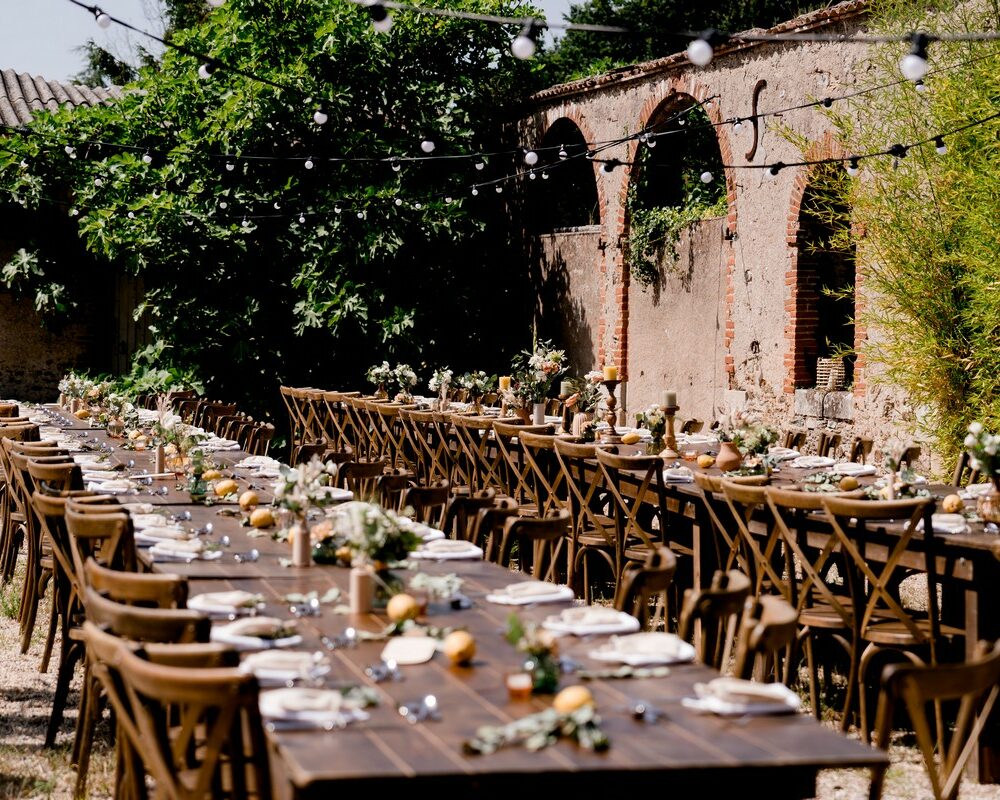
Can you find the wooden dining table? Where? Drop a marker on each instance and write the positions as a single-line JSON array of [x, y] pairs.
[[683, 751]]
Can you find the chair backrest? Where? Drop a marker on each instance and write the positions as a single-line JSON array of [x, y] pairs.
[[147, 589], [829, 441], [146, 624], [428, 445], [964, 473], [460, 518], [872, 582], [975, 684], [541, 539], [198, 731], [646, 504], [515, 469], [307, 451], [361, 477], [479, 455], [487, 526], [910, 455], [768, 627], [546, 476], [729, 548], [51, 476], [8, 410], [392, 487], [692, 425], [260, 437], [769, 564], [429, 504], [644, 583], [794, 438], [715, 611], [585, 489], [860, 450]]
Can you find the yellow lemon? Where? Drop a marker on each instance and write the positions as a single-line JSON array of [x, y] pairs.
[[211, 475], [262, 518], [952, 504], [249, 500], [848, 483], [705, 460], [402, 607], [459, 647], [228, 486], [571, 698], [83, 413], [631, 438], [344, 554]]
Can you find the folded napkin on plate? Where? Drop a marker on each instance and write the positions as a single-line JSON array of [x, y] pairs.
[[678, 475], [188, 547], [853, 469], [138, 508], [113, 487], [310, 706], [259, 461], [639, 649], [219, 444], [260, 628], [279, 661], [783, 453], [100, 475], [146, 520], [237, 598], [812, 462], [164, 533], [532, 589], [735, 690], [947, 523], [590, 615], [448, 546], [697, 438], [974, 490]]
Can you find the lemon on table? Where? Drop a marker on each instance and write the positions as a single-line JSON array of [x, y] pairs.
[[571, 698], [848, 483], [249, 500], [211, 475], [705, 461], [459, 647], [631, 438], [402, 607], [262, 518], [952, 504], [83, 413], [228, 486]]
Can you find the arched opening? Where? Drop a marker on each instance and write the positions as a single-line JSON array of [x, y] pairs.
[[678, 181], [824, 300], [564, 196]]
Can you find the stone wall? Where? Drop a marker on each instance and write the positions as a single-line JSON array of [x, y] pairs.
[[731, 332]]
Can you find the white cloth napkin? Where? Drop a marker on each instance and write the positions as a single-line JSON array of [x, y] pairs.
[[527, 592], [783, 453], [310, 707], [257, 633], [280, 666], [147, 520], [812, 462], [853, 469], [735, 697], [101, 475], [678, 475], [640, 649], [946, 523], [586, 620], [112, 487], [230, 602], [138, 508], [162, 533], [975, 490], [447, 549]]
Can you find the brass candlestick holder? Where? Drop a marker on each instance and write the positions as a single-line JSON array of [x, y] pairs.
[[611, 436], [567, 414], [669, 438]]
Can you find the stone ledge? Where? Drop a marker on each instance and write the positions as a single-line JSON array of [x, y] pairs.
[[822, 404]]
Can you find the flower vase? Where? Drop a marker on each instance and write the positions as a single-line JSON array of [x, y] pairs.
[[477, 405], [381, 393], [197, 488], [988, 505], [729, 457], [362, 589], [538, 414], [301, 545], [656, 446], [578, 421], [443, 398], [544, 671]]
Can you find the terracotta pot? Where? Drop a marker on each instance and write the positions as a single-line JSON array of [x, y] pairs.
[[538, 413], [729, 457], [579, 420]]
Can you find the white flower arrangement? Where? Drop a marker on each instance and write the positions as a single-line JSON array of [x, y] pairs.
[[405, 378], [304, 487], [374, 533], [654, 420], [477, 383], [983, 448], [379, 374], [749, 434], [74, 386], [536, 370], [440, 380]]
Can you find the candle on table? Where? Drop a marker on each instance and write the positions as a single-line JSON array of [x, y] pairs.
[[669, 399], [504, 383], [565, 389], [611, 373]]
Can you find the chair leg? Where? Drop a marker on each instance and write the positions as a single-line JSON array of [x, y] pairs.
[[50, 638], [29, 608], [85, 723], [807, 646], [69, 655], [853, 670]]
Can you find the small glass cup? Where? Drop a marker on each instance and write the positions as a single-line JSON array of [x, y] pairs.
[[690, 455], [519, 685]]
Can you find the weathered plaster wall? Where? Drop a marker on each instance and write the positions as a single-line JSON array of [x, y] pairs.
[[751, 361]]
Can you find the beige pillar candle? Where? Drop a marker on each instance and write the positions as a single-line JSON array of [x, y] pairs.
[[669, 399], [611, 373], [504, 383]]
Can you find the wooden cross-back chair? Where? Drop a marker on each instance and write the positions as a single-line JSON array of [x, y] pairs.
[[452, 457], [514, 468], [975, 684], [794, 438], [396, 447], [479, 454], [768, 562], [829, 443], [646, 584], [728, 544], [964, 473], [541, 544], [765, 640], [8, 410], [823, 609], [12, 518], [217, 746], [295, 432], [429, 504], [708, 617], [103, 665], [361, 478], [429, 447], [259, 439], [461, 515], [873, 565], [392, 487], [356, 425], [639, 511], [307, 451], [593, 532], [378, 434], [860, 450], [336, 421], [539, 454]]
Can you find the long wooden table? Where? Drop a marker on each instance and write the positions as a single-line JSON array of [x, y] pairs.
[[684, 752]]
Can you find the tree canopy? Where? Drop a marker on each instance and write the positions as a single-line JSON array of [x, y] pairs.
[[259, 270]]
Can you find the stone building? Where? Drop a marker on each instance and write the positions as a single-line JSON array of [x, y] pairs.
[[35, 352], [741, 319]]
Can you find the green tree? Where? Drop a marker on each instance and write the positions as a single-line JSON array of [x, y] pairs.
[[237, 282], [658, 25]]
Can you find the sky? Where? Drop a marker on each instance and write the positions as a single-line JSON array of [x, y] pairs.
[[40, 36]]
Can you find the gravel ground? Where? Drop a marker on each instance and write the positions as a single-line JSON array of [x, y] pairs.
[[27, 770]]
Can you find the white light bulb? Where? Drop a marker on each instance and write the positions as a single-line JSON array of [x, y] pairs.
[[523, 47], [302, 219], [475, 191], [531, 158], [427, 146], [131, 215], [204, 72], [309, 164], [156, 195], [319, 117], [216, 3], [98, 182], [223, 204], [230, 166], [396, 166], [69, 151], [650, 140], [545, 176], [920, 86], [448, 200], [361, 215], [913, 67], [336, 209], [700, 53], [73, 212], [383, 25], [245, 223], [147, 158], [103, 20], [563, 155], [417, 206], [531, 176], [499, 190], [277, 205], [737, 126], [399, 202], [852, 169], [480, 165], [706, 177], [940, 147]]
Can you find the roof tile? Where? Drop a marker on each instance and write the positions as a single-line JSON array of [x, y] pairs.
[[22, 96]]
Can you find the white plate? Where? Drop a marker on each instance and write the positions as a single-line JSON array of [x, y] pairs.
[[309, 708], [947, 523], [761, 698], [278, 667], [138, 508], [530, 592], [425, 532], [216, 603], [812, 462], [642, 649], [338, 495], [574, 621], [153, 536], [185, 558], [678, 475], [409, 650], [853, 469], [253, 642], [440, 553], [141, 521]]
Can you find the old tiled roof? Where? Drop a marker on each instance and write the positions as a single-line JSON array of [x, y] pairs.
[[21, 96], [815, 20]]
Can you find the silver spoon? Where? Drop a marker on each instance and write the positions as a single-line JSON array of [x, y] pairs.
[[248, 557]]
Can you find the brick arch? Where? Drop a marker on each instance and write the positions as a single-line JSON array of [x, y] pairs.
[[800, 322], [574, 116]]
